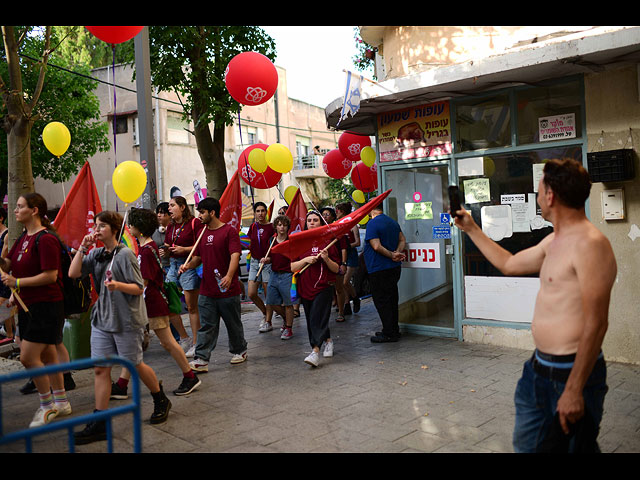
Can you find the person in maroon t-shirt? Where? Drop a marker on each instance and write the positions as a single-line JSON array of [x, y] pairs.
[[316, 290], [143, 224], [180, 237], [329, 215], [219, 253], [36, 282], [279, 288], [260, 234]]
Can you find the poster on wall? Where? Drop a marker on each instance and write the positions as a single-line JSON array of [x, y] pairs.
[[421, 255], [557, 127], [415, 132]]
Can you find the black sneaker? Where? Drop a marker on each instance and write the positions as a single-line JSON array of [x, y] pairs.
[[161, 407], [187, 386], [356, 305], [117, 392], [29, 387], [69, 383], [347, 308], [93, 432]]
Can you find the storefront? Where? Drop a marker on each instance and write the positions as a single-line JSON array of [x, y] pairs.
[[493, 146]]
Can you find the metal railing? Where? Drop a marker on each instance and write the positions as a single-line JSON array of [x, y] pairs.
[[29, 433], [307, 161]]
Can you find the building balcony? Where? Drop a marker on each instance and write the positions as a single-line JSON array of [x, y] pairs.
[[308, 166]]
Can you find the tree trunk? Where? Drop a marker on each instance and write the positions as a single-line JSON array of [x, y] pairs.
[[211, 151]]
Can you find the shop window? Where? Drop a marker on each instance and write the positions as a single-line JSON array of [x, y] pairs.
[[549, 113], [483, 123], [500, 192]]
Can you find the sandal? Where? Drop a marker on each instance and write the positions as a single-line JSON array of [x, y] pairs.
[[340, 318]]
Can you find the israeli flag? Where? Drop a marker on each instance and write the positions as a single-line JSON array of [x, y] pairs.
[[351, 102]]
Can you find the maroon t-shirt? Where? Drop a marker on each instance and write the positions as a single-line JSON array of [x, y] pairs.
[[279, 262], [260, 235], [183, 234], [151, 270], [29, 261], [215, 249], [317, 276]]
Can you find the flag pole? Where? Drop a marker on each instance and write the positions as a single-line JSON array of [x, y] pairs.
[[371, 81]]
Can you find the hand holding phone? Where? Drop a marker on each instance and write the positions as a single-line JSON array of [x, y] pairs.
[[454, 200]]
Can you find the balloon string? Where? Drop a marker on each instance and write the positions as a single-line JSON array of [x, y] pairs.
[[246, 171], [115, 149], [124, 223]]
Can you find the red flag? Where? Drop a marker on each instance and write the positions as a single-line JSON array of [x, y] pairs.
[[231, 203], [297, 213], [320, 237], [76, 217]]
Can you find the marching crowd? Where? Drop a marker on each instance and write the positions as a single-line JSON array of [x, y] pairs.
[[179, 252]]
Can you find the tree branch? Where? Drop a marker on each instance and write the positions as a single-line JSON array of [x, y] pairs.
[[43, 65]]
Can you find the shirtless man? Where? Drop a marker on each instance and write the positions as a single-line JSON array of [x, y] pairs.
[[577, 270]]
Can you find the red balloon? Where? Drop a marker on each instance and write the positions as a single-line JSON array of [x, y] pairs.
[[267, 179], [251, 78], [335, 165], [351, 144], [114, 34], [365, 178]]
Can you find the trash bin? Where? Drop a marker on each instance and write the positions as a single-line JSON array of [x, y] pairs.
[[76, 335]]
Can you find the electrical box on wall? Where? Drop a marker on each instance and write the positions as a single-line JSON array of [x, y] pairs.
[[611, 166], [613, 204]]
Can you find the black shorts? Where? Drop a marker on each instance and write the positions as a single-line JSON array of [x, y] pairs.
[[43, 323]]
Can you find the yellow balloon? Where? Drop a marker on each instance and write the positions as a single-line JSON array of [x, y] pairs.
[[489, 166], [364, 220], [257, 160], [358, 196], [279, 158], [129, 181], [368, 156], [56, 138], [289, 192]]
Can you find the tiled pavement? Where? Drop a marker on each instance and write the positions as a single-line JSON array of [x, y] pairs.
[[422, 394]]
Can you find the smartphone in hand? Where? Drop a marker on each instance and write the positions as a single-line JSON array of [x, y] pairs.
[[454, 199]]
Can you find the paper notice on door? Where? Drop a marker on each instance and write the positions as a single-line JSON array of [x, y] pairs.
[[497, 221], [471, 167], [520, 217], [477, 190], [536, 221], [537, 174]]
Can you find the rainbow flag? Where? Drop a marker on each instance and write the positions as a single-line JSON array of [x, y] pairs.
[[245, 241], [129, 240], [294, 287]]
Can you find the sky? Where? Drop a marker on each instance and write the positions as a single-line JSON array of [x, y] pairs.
[[314, 58]]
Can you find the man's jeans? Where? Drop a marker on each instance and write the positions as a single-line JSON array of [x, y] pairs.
[[211, 309], [536, 399]]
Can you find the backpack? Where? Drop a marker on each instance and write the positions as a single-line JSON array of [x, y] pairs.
[[76, 291]]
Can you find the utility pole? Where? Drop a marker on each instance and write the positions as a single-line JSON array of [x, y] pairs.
[[145, 118]]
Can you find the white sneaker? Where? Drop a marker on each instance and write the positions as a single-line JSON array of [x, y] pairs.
[[186, 343], [63, 409], [42, 417], [239, 358], [328, 349], [265, 327], [199, 365], [191, 352], [313, 359]]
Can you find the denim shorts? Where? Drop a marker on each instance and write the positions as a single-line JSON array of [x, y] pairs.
[[264, 274], [189, 280], [126, 344], [352, 257], [279, 289]]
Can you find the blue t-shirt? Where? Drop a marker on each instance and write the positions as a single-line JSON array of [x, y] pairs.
[[388, 231]]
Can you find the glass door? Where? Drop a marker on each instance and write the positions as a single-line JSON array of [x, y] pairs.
[[418, 200]]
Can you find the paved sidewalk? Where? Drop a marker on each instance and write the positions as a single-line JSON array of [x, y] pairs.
[[421, 394]]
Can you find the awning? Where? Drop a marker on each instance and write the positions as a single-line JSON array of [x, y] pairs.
[[595, 50]]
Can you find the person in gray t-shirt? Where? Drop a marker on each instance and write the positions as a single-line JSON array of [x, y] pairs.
[[118, 317]]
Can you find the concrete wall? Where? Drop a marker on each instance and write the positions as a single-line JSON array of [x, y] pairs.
[[613, 122]]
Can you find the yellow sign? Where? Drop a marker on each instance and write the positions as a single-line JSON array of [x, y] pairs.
[[418, 211]]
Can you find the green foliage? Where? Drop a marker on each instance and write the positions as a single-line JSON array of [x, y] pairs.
[[363, 60], [191, 60], [67, 98], [78, 46]]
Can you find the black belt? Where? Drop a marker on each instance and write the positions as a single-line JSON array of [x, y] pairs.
[[554, 367]]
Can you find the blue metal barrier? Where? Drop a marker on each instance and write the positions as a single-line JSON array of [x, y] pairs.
[[69, 423]]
